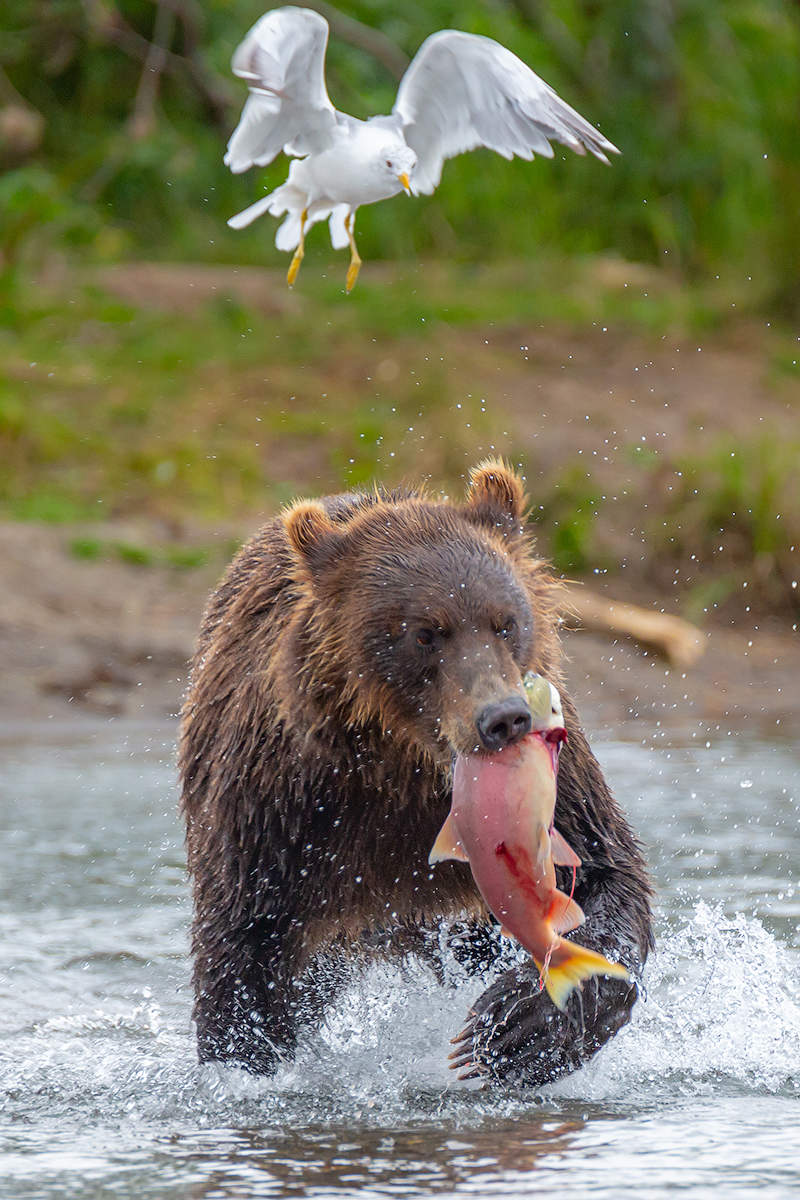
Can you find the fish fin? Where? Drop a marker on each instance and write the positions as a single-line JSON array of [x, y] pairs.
[[543, 851], [563, 854], [565, 914], [578, 964], [447, 844]]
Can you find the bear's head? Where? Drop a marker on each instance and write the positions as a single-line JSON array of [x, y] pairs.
[[424, 615]]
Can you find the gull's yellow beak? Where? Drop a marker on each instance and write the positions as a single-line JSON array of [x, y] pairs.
[[403, 177]]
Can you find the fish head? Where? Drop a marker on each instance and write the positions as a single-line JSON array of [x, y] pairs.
[[547, 714]]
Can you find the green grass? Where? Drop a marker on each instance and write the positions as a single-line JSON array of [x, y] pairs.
[[735, 516], [108, 408], [180, 557], [223, 410]]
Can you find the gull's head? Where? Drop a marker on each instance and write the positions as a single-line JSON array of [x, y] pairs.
[[397, 161]]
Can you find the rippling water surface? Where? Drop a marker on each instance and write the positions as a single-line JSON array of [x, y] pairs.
[[100, 1095]]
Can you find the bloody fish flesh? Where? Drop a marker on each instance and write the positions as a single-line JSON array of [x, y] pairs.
[[501, 823]]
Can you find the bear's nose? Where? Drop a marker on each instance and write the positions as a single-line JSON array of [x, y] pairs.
[[502, 723]]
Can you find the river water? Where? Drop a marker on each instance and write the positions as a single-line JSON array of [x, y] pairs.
[[100, 1094]]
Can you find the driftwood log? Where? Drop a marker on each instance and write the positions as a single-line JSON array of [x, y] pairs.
[[680, 642]]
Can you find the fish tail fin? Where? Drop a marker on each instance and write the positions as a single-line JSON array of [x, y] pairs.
[[570, 965]]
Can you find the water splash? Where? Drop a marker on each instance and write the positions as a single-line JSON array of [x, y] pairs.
[[722, 1009], [721, 1013]]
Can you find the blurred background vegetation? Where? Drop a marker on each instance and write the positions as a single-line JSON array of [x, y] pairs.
[[196, 393], [115, 112]]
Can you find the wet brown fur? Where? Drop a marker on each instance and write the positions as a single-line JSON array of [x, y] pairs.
[[316, 745]]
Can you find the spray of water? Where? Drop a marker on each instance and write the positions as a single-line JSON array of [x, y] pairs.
[[721, 1012]]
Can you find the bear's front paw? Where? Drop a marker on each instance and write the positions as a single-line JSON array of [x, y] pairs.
[[515, 1034]]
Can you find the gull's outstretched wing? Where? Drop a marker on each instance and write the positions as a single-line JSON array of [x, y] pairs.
[[282, 59], [463, 91]]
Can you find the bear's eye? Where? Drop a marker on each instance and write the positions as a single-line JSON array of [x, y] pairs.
[[426, 637], [507, 629]]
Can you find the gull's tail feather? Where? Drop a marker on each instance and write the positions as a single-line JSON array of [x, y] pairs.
[[288, 235], [248, 215], [339, 238], [285, 198], [290, 200]]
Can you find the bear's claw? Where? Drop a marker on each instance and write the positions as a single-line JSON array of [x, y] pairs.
[[515, 1034], [462, 1058]]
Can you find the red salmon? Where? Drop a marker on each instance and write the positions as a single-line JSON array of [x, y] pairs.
[[501, 823]]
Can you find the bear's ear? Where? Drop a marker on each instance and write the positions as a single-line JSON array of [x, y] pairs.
[[312, 534], [496, 497]]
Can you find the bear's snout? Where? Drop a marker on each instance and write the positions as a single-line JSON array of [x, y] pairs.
[[503, 723]]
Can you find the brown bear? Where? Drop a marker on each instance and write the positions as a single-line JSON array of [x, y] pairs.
[[355, 645]]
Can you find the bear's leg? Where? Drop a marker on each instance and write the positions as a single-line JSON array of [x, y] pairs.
[[514, 1032], [322, 983], [246, 1007], [475, 945]]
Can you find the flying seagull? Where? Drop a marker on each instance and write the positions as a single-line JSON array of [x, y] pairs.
[[461, 91]]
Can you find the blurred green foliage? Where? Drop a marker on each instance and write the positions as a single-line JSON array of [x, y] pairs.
[[183, 558], [231, 407], [701, 96], [114, 115], [737, 505]]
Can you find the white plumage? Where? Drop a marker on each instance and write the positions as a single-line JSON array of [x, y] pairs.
[[461, 91]]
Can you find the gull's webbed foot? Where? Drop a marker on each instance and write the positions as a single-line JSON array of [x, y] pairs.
[[355, 257], [297, 258], [294, 266], [352, 272]]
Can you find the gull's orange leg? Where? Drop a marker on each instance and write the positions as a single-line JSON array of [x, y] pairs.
[[355, 258], [294, 265]]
